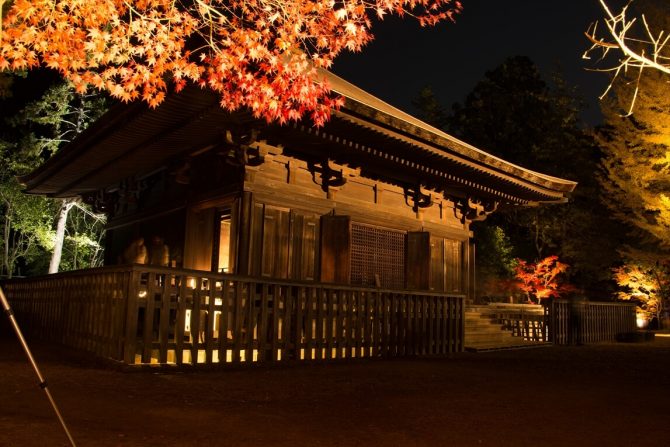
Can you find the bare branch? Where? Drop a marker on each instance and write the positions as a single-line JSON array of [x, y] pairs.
[[640, 47]]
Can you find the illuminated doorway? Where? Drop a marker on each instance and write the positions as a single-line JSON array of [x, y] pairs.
[[222, 241]]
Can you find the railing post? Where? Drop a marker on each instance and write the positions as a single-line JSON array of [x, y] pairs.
[[130, 341]]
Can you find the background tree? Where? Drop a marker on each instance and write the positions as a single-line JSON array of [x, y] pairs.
[[639, 42], [259, 54], [645, 280], [635, 141], [32, 133], [635, 180], [515, 114], [53, 121], [496, 263], [428, 108], [635, 175], [25, 224]]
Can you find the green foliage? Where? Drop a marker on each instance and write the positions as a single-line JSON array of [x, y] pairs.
[[24, 225], [31, 133], [5, 85], [45, 125], [495, 262], [83, 244], [495, 253]]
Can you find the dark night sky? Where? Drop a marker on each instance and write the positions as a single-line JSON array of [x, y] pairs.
[[453, 57]]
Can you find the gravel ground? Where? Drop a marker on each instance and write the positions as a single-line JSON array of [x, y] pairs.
[[604, 395]]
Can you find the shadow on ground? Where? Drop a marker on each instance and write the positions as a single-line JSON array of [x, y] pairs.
[[605, 395]]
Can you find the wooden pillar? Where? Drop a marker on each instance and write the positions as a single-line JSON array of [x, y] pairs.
[[470, 285], [243, 263]]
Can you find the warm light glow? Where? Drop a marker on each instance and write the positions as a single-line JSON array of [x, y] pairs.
[[641, 319], [191, 283], [142, 294], [217, 315], [187, 321], [224, 245]]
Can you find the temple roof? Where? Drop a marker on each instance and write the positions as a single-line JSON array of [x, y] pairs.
[[366, 132]]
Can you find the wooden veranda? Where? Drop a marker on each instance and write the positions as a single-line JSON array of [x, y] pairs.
[[139, 314]]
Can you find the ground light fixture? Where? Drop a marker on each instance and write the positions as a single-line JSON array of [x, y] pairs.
[[42, 380]]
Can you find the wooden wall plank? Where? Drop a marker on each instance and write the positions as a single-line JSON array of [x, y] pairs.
[[199, 239], [335, 249], [418, 266]]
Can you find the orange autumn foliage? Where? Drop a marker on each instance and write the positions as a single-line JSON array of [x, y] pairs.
[[259, 54], [542, 279]]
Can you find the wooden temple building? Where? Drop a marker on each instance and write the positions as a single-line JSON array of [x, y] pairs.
[[232, 240]]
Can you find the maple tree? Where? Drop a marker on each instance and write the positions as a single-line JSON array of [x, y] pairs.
[[541, 280], [646, 282], [260, 54]]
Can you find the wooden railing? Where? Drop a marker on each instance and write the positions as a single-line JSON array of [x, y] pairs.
[[140, 314], [563, 322], [589, 322], [523, 320], [85, 309]]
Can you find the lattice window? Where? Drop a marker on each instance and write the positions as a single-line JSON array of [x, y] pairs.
[[377, 256]]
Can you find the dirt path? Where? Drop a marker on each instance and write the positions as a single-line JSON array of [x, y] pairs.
[[608, 395]]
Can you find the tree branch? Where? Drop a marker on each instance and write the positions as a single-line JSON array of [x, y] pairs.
[[637, 52]]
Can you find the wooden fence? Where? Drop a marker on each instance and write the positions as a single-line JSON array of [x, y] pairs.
[[589, 322], [140, 314]]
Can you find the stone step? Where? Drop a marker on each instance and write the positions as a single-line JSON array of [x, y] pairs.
[[483, 333], [517, 344], [477, 336], [481, 324]]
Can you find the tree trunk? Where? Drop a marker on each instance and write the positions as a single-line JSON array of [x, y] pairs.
[[5, 258], [7, 267], [66, 206]]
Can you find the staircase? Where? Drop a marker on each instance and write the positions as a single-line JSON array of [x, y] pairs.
[[482, 333]]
